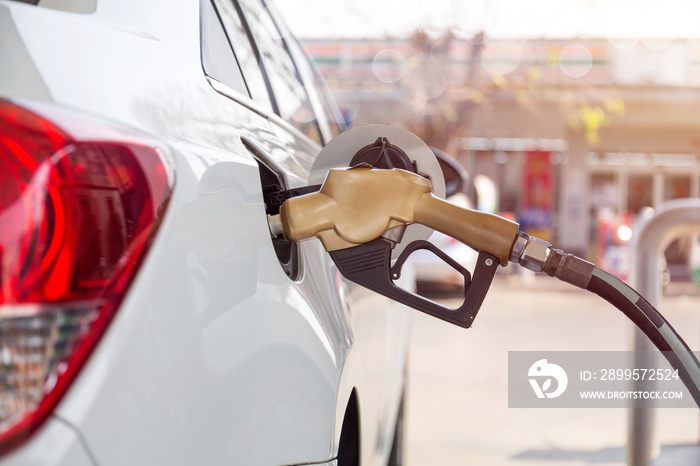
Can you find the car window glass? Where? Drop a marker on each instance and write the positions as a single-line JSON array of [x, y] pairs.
[[336, 124], [328, 115], [244, 51], [307, 76], [218, 59], [292, 101]]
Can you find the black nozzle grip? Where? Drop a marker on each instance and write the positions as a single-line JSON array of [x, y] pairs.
[[369, 265]]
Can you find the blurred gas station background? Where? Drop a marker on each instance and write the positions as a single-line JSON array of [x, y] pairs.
[[579, 129], [577, 119]]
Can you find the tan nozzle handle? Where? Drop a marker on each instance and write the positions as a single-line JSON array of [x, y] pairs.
[[357, 205]]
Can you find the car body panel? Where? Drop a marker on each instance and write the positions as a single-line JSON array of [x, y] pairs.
[[215, 356], [215, 341], [55, 444]]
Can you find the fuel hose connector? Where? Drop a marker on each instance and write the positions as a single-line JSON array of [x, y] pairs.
[[539, 256]]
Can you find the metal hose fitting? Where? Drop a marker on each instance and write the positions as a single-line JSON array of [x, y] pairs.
[[539, 256]]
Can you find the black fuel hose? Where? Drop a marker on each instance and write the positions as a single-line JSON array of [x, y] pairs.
[[652, 323]]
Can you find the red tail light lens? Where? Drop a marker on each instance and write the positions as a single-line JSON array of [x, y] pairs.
[[79, 204]]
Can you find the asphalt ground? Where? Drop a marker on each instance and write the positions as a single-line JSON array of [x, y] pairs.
[[457, 400]]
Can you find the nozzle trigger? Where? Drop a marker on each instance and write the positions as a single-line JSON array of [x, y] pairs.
[[369, 265]]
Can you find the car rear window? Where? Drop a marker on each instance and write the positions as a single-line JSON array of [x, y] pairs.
[[289, 92], [218, 59], [245, 52]]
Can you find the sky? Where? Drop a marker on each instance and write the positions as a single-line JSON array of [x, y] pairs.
[[552, 19]]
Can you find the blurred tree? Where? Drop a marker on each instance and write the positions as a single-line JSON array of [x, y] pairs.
[[446, 84]]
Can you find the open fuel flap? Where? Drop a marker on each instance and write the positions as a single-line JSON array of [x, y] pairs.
[[365, 215]]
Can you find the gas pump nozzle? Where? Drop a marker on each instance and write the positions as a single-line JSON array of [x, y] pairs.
[[356, 206]]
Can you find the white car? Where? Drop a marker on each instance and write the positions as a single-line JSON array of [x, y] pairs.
[[431, 271], [146, 314]]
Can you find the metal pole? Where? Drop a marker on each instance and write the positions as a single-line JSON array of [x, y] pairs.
[[672, 219]]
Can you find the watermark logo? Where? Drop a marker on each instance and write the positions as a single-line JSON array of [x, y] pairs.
[[594, 379], [546, 372]]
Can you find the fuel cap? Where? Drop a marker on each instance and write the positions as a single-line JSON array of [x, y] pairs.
[[382, 146]]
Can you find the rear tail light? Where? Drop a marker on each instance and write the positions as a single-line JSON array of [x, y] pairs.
[[79, 203]]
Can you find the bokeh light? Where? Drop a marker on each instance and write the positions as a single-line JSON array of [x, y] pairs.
[[389, 65], [575, 60]]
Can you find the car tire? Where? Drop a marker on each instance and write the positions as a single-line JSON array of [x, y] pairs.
[[396, 457]]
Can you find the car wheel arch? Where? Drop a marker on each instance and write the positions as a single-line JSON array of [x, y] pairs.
[[349, 443]]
